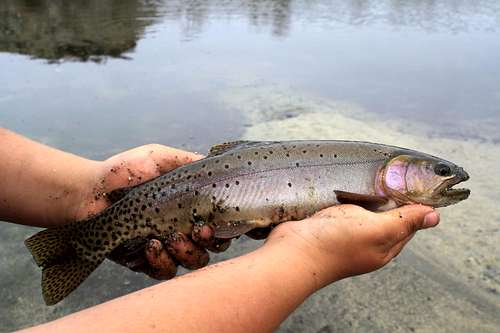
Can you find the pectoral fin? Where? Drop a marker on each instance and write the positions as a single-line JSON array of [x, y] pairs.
[[367, 201]]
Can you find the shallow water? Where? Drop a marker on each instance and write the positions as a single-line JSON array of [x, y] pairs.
[[96, 77]]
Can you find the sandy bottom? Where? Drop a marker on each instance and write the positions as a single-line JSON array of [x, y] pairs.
[[447, 279]]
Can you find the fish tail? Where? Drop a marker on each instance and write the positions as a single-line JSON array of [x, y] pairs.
[[65, 265]]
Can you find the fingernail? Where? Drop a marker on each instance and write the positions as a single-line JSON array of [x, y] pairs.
[[431, 220]]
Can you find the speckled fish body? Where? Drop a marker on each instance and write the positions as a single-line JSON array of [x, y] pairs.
[[255, 185], [242, 186]]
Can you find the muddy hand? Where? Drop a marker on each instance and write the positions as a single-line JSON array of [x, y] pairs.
[[203, 234], [131, 168], [157, 259]]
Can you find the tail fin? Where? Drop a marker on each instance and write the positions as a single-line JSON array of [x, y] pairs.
[[60, 280], [62, 269]]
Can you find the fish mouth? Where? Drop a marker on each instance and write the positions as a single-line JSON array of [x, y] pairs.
[[447, 188]]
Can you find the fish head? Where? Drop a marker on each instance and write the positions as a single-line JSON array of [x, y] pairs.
[[423, 179]]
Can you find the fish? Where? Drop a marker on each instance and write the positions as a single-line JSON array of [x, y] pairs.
[[241, 187]]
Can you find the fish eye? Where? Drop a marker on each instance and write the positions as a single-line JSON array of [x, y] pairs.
[[442, 170]]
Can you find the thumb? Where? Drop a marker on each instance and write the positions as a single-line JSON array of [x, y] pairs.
[[406, 220]]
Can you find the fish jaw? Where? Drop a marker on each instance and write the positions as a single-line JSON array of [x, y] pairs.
[[447, 194]]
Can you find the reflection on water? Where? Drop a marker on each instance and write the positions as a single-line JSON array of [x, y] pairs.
[[417, 67], [91, 30], [77, 30]]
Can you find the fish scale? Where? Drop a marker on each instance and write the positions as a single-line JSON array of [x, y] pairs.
[[239, 187]]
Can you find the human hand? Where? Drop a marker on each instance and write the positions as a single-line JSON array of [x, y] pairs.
[[348, 240], [151, 256]]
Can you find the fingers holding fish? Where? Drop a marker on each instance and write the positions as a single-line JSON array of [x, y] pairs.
[[147, 256], [406, 220], [204, 236], [186, 252], [161, 265]]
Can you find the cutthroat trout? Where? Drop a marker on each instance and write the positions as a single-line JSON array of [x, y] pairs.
[[242, 186]]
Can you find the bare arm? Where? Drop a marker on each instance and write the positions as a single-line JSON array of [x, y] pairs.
[[256, 292], [42, 186], [38, 182]]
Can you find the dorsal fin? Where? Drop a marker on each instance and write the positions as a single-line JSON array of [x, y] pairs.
[[227, 146]]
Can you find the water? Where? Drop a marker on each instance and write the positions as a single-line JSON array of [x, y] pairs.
[[95, 78]]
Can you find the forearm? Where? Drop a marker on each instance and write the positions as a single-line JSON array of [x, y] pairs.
[[252, 293], [38, 183]]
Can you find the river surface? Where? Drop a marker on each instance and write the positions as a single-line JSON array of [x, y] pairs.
[[97, 77]]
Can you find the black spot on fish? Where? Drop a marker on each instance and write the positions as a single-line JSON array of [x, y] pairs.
[[237, 208], [239, 157], [321, 155], [304, 151], [335, 155], [143, 207], [297, 164], [237, 182], [227, 185], [214, 185], [209, 173], [271, 152], [226, 166], [249, 163], [194, 210], [287, 155], [157, 210], [179, 205], [256, 153], [196, 193], [217, 161], [289, 184], [265, 157], [175, 219]]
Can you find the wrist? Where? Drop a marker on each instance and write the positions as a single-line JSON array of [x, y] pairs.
[[302, 255], [84, 191]]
